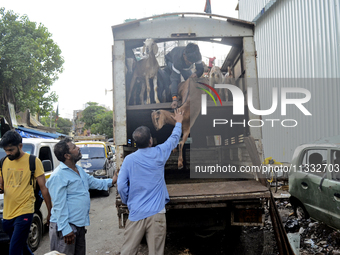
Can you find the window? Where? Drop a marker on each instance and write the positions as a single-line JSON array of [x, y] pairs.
[[334, 167], [2, 153], [45, 154], [92, 152], [28, 148], [314, 162]]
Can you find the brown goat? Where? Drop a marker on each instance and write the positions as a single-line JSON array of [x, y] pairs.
[[162, 117], [146, 69]]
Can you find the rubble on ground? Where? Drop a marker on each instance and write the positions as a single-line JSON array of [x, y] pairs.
[[315, 237]]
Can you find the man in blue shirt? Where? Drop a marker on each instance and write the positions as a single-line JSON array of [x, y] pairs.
[[69, 188], [142, 187]]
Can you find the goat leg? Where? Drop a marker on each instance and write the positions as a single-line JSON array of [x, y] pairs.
[[186, 132], [132, 84], [155, 89], [147, 90], [141, 96]]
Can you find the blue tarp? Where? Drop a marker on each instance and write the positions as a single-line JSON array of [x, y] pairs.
[[33, 133]]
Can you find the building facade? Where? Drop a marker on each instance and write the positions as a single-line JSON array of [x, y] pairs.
[[298, 45]]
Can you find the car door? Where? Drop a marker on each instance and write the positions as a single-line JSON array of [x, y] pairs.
[[311, 170], [331, 191]]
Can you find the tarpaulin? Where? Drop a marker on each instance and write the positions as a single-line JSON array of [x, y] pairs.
[[33, 133]]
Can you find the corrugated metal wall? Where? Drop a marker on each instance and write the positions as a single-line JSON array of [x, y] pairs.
[[248, 9], [298, 39]]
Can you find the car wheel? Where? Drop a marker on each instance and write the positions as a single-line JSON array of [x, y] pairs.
[[35, 234], [301, 212]]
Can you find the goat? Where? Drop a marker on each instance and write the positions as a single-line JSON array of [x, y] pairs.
[[146, 69], [228, 79], [162, 117], [216, 77]]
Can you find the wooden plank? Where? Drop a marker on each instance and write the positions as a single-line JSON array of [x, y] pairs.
[[220, 198], [215, 188]]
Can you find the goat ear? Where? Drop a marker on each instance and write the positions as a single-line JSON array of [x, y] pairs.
[[154, 48]]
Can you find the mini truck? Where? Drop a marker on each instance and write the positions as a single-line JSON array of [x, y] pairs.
[[203, 204]]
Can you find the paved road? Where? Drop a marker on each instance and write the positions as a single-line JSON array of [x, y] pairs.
[[103, 235]]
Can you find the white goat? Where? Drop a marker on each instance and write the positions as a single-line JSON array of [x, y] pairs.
[[228, 79], [146, 69], [216, 77]]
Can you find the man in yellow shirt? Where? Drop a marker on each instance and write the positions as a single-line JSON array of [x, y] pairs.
[[19, 193]]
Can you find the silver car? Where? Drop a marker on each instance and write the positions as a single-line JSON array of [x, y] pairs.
[[314, 182]]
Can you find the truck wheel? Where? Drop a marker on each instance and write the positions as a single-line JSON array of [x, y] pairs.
[[35, 234], [205, 234], [106, 193]]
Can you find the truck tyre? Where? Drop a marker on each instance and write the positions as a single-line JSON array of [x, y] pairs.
[[35, 234], [106, 193]]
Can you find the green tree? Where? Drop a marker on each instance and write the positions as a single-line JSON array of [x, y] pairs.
[[91, 113], [62, 125], [104, 125], [30, 62], [45, 120]]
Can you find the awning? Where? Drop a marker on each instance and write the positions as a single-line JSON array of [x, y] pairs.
[[34, 133]]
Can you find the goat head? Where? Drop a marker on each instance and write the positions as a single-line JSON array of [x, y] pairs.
[[155, 116], [150, 46]]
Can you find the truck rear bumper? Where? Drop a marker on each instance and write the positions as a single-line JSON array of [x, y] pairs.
[[212, 204]]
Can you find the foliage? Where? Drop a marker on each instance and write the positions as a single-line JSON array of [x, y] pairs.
[[45, 121], [91, 113], [104, 125], [30, 62], [62, 125]]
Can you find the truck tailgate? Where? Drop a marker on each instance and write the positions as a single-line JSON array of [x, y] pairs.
[[216, 191]]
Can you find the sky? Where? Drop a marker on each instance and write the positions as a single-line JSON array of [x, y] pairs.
[[82, 30]]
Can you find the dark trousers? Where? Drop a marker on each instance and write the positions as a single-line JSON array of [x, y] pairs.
[[18, 229]]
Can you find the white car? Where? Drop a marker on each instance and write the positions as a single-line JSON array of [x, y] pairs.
[[43, 149]]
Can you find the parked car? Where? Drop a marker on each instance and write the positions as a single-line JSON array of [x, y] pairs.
[[314, 182], [97, 159], [43, 149]]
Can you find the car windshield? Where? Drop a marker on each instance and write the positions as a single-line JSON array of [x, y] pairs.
[[92, 152], [28, 148]]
